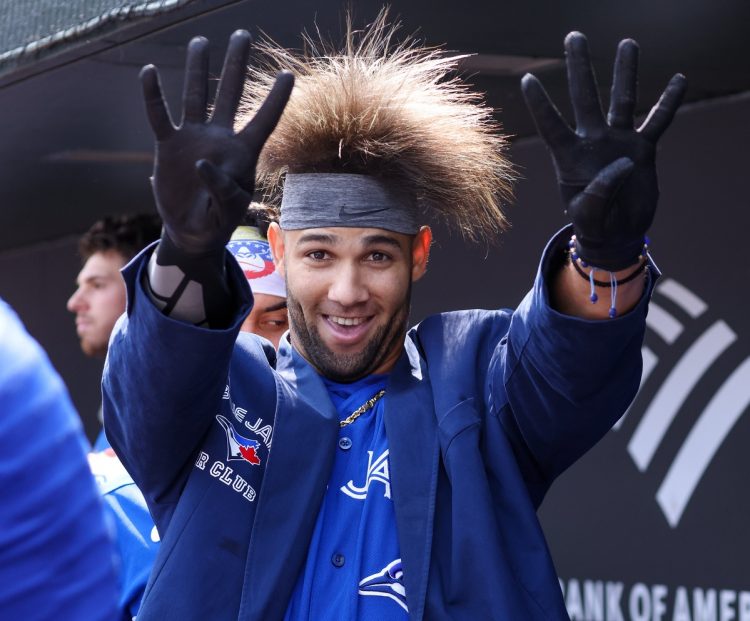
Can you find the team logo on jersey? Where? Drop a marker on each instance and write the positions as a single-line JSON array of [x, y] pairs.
[[389, 582], [253, 256], [239, 447], [377, 471]]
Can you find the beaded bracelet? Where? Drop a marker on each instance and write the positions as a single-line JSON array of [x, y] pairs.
[[604, 283], [613, 282]]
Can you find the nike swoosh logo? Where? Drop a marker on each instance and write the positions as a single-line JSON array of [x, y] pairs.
[[155, 535], [347, 213]]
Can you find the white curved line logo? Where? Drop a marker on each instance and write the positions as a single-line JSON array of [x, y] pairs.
[[715, 421]]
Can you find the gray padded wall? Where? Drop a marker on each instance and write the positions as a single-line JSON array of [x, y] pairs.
[[30, 29]]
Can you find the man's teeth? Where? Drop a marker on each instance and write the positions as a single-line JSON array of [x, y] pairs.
[[347, 321]]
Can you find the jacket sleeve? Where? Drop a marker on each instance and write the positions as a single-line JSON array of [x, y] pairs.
[[162, 385], [558, 383]]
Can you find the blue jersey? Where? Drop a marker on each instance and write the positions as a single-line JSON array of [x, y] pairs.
[[353, 567], [135, 534], [56, 559]]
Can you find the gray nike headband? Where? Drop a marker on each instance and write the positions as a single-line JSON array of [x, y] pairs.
[[316, 200]]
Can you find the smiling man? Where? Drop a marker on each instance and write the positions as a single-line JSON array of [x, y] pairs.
[[368, 472], [350, 291]]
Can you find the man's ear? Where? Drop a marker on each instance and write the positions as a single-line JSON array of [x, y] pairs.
[[420, 252], [276, 241]]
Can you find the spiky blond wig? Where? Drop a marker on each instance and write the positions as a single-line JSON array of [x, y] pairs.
[[388, 109]]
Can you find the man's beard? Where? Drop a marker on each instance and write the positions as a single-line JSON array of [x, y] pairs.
[[94, 348], [347, 367]]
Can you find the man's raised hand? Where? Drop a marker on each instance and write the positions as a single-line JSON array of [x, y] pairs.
[[606, 167], [204, 171]]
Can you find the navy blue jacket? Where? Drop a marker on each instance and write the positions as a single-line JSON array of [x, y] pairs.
[[482, 411]]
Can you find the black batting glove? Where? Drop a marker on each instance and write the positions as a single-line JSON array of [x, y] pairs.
[[204, 171], [606, 168]]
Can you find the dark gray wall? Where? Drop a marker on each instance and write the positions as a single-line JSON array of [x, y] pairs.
[[37, 281]]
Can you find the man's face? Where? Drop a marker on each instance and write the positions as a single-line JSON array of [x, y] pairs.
[[348, 293], [98, 301], [268, 318]]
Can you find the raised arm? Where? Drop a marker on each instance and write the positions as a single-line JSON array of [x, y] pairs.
[[572, 361], [169, 358], [606, 170]]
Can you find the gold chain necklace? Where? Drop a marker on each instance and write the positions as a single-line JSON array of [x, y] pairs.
[[361, 410]]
